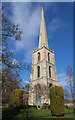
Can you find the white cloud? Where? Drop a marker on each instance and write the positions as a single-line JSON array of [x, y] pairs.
[[61, 75], [27, 82], [29, 21], [15, 62], [53, 26]]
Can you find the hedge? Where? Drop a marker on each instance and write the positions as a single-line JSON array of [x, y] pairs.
[[56, 100]]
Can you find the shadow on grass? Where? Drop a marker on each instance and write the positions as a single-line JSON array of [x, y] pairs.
[[9, 113], [28, 114]]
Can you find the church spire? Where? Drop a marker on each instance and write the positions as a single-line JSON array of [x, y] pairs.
[[43, 35]]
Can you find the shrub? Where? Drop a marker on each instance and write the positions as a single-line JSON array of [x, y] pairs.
[[56, 100], [16, 98]]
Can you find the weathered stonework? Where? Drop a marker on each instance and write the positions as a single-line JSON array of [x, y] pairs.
[[44, 80]]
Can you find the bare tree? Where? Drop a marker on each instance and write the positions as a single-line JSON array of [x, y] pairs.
[[11, 67], [27, 88], [66, 93], [69, 74]]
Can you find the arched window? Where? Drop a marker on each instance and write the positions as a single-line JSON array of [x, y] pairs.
[[38, 56], [38, 71], [38, 93], [50, 71], [48, 56], [50, 84]]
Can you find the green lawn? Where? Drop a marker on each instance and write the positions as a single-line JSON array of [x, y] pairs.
[[20, 114], [69, 111]]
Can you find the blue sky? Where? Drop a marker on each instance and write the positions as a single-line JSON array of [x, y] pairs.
[[59, 26]]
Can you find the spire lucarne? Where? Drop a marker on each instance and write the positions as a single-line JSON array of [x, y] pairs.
[[43, 35]]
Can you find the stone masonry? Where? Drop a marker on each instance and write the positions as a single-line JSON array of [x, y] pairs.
[[43, 72]]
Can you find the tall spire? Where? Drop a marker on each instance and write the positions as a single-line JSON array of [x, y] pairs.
[[43, 35]]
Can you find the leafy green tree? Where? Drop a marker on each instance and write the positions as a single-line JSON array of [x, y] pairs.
[[16, 98]]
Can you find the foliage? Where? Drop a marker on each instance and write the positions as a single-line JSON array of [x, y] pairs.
[[16, 98], [56, 100], [6, 98], [9, 113]]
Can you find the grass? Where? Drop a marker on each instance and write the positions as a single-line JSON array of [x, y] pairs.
[[20, 114], [69, 111], [41, 112]]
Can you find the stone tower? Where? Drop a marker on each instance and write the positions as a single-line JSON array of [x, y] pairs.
[[43, 72]]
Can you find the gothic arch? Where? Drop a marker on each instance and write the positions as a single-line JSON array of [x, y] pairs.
[[38, 56], [50, 84], [50, 71], [38, 71], [48, 56], [38, 93]]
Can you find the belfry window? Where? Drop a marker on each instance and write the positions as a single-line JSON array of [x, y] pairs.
[[48, 56], [38, 71], [50, 71], [38, 56]]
